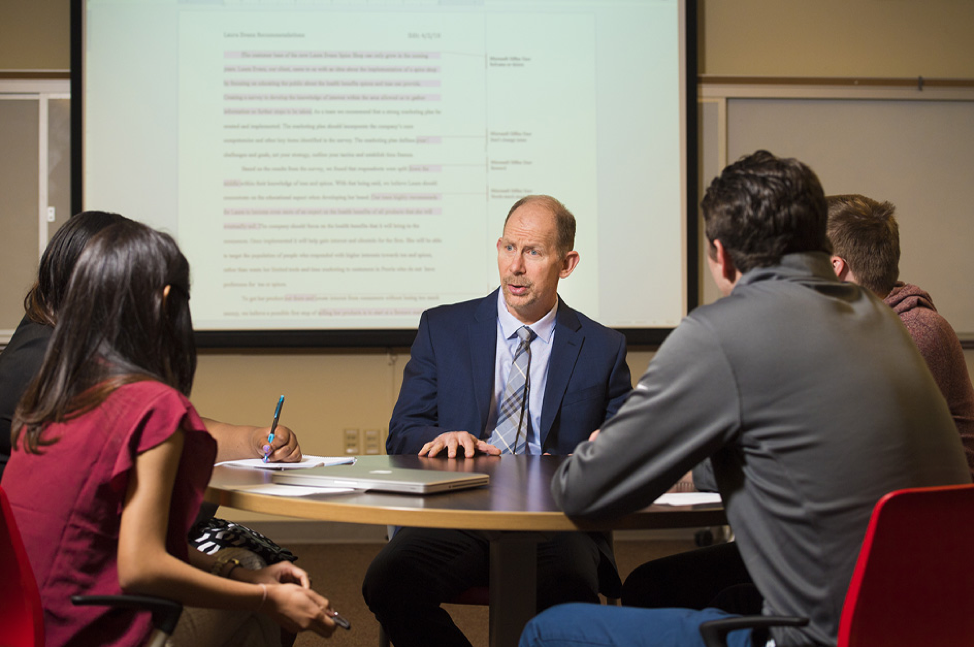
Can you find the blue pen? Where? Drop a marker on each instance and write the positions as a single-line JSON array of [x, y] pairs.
[[270, 436]]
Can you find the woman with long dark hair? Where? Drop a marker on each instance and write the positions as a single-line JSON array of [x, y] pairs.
[[21, 359], [22, 356], [110, 461]]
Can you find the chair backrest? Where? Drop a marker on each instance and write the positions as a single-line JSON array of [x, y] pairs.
[[21, 614], [914, 580]]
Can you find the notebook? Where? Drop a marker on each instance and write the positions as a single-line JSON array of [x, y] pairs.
[[387, 478]]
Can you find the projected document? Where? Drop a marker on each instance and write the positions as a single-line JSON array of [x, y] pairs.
[[348, 165], [316, 155]]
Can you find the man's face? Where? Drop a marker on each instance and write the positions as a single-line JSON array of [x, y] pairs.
[[530, 263]]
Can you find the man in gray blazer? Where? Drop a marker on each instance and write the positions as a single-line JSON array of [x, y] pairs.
[[802, 399]]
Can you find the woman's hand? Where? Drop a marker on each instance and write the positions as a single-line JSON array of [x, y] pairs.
[[283, 449], [280, 573], [298, 609]]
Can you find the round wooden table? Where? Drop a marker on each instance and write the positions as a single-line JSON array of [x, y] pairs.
[[516, 510]]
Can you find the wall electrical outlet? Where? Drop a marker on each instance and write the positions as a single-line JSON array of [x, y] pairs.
[[351, 442], [372, 444]]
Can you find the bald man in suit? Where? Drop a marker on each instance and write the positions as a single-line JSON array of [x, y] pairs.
[[450, 404]]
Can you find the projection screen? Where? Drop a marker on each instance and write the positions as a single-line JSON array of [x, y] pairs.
[[333, 168]]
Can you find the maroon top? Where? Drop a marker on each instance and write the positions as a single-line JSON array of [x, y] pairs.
[[942, 351], [68, 504]]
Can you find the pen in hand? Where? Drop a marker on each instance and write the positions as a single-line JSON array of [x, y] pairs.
[[270, 436], [340, 620]]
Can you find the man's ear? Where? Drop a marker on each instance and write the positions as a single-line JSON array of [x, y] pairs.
[[840, 267], [568, 264], [723, 258]]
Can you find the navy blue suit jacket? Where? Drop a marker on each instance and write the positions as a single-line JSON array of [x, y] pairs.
[[449, 379]]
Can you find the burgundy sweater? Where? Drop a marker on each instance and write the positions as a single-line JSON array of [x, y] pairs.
[[942, 351]]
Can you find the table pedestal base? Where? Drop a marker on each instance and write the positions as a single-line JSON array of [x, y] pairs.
[[513, 584]]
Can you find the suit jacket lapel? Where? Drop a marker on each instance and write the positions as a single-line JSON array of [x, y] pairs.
[[561, 365], [482, 341]]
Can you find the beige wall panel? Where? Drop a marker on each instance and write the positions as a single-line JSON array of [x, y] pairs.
[[18, 206], [865, 38], [35, 34], [325, 392]]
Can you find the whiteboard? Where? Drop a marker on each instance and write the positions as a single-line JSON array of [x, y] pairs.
[[919, 155]]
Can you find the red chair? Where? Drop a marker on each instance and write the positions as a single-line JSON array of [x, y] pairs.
[[21, 613], [914, 580]]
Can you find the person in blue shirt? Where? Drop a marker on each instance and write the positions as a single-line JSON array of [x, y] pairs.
[[451, 403]]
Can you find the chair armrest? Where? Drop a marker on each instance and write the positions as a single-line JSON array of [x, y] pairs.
[[165, 613], [714, 632]]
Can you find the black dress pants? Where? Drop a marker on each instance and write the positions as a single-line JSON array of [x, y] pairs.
[[421, 568], [714, 576]]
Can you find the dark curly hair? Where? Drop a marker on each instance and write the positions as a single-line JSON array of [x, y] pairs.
[[762, 207]]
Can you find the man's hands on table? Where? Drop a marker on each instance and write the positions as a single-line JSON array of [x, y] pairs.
[[454, 441]]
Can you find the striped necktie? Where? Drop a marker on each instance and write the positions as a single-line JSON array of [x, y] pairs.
[[511, 433]]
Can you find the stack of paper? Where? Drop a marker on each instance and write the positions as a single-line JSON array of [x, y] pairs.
[[306, 461]]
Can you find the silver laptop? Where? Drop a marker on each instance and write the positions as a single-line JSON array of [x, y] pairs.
[[388, 478]]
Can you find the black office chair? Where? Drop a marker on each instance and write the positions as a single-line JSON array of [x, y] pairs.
[[165, 613]]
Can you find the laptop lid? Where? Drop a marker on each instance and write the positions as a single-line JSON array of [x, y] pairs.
[[388, 478]]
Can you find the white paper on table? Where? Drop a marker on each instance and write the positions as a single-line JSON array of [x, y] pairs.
[[687, 498], [279, 489], [305, 462]]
